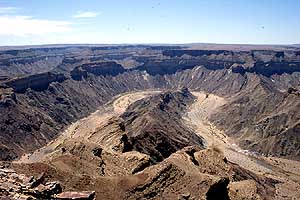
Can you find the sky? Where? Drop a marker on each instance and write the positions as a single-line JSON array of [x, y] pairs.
[[32, 22]]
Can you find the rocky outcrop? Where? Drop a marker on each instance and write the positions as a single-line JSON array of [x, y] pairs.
[[179, 178], [293, 91], [268, 68], [7, 97], [36, 82], [19, 186], [96, 68], [176, 177], [146, 131]]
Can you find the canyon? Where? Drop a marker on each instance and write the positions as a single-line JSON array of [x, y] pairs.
[[153, 121]]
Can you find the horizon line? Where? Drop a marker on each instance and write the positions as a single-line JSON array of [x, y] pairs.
[[123, 44]]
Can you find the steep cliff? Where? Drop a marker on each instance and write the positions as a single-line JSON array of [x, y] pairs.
[[96, 68], [36, 82]]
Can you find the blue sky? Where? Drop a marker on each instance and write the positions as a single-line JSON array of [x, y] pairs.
[[28, 22]]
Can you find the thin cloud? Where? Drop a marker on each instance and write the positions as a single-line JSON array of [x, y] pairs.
[[8, 10], [89, 14], [27, 25]]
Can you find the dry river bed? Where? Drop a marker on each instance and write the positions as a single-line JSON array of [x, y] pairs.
[[286, 171]]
